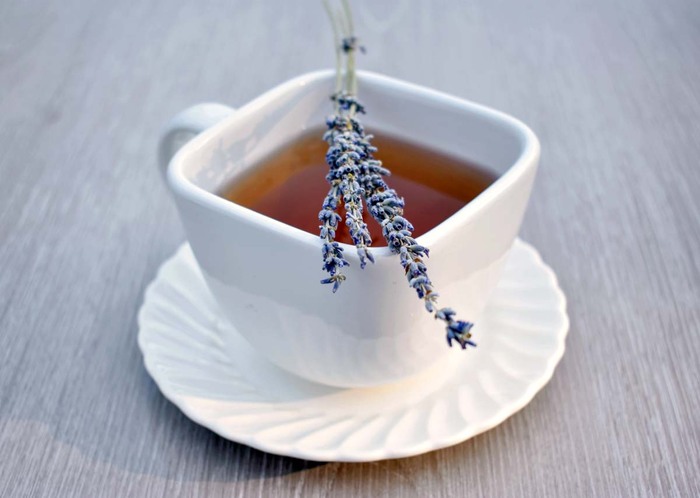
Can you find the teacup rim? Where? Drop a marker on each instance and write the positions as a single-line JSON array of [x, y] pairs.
[[528, 157]]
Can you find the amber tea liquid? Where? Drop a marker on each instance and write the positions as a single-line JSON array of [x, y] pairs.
[[290, 185]]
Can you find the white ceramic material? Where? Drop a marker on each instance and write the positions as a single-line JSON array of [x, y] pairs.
[[203, 366], [265, 274]]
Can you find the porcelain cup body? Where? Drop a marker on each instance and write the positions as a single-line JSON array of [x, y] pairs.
[[265, 274]]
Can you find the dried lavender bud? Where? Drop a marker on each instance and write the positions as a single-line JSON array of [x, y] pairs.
[[347, 102], [333, 259], [457, 330], [386, 207]]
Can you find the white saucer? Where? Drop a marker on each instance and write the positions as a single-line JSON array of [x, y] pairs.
[[246, 399]]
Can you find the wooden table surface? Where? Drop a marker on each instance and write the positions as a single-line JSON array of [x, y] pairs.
[[611, 87]]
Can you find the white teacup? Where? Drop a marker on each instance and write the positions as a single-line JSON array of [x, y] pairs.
[[265, 274]]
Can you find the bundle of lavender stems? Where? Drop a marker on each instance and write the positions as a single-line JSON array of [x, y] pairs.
[[356, 178]]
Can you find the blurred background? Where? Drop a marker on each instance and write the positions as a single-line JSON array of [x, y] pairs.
[[612, 89]]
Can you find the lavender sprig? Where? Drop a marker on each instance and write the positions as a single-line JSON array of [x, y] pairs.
[[342, 160], [355, 174], [386, 207]]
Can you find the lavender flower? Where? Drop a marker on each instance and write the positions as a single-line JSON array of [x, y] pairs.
[[351, 43], [356, 175], [457, 330], [348, 102]]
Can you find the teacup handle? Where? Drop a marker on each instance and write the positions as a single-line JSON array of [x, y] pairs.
[[185, 125]]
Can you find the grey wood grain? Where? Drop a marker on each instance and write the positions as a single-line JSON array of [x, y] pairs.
[[612, 88]]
